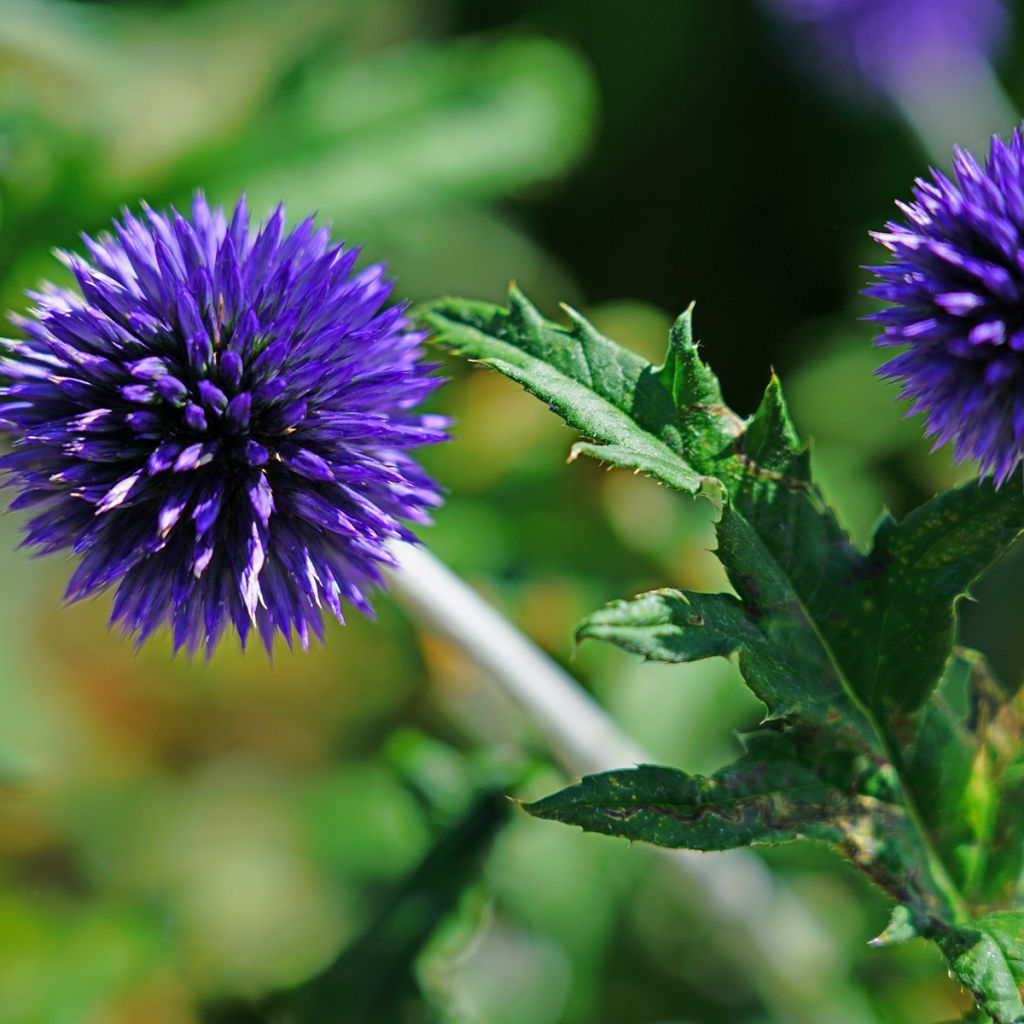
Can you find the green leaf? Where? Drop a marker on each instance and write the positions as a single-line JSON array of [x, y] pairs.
[[938, 758], [987, 958], [995, 793], [781, 658], [708, 427], [607, 393], [1005, 864], [966, 775], [881, 624], [887, 617], [904, 626], [779, 791], [902, 927], [847, 644], [743, 806]]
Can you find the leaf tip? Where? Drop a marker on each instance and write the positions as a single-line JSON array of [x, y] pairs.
[[713, 490], [681, 333]]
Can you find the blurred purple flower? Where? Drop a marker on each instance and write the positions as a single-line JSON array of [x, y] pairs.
[[218, 424], [956, 285], [893, 45]]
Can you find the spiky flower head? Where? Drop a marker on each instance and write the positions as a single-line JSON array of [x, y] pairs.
[[218, 425], [889, 46], [956, 287]]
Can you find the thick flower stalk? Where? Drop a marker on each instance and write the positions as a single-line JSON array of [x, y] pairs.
[[955, 285], [218, 425]]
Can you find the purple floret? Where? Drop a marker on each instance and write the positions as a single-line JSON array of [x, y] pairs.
[[956, 287], [218, 426]]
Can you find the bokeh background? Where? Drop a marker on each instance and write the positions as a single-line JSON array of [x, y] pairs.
[[326, 838]]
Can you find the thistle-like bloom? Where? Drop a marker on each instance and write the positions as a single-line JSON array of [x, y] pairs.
[[892, 45], [218, 424], [956, 284]]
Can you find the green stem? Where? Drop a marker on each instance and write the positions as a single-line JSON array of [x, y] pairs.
[[936, 865]]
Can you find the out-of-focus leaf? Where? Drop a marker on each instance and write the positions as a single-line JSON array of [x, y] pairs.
[[995, 794], [376, 972], [419, 126], [392, 831], [373, 978], [72, 62], [102, 957], [432, 245], [12, 769], [400, 143], [966, 778]]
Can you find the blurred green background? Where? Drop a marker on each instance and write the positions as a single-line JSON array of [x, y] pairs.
[[326, 838]]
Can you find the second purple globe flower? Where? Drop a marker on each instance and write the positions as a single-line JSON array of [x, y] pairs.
[[219, 425], [955, 288]]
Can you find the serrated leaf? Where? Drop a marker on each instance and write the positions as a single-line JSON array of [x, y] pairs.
[[781, 658], [904, 626], [626, 458], [987, 958], [774, 794], [708, 427], [831, 638], [609, 394], [903, 926], [740, 807], [885, 619]]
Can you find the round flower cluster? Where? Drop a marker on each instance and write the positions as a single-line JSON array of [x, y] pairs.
[[955, 283], [218, 425]]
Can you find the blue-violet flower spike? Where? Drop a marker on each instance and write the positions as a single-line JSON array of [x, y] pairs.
[[218, 425], [956, 287]]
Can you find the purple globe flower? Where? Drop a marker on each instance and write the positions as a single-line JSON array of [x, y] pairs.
[[218, 425], [956, 285], [889, 45]]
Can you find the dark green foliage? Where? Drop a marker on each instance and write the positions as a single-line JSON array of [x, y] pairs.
[[610, 395], [787, 786], [851, 651], [374, 978], [768, 796]]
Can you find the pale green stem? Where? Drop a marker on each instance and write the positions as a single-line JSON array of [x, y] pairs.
[[795, 962]]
